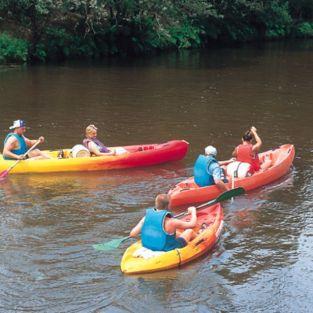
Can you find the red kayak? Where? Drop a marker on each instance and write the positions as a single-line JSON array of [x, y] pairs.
[[188, 192], [132, 156]]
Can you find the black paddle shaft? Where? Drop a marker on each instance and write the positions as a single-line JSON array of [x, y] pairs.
[[224, 196]]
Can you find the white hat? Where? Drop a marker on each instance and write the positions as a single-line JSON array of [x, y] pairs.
[[210, 150], [18, 124]]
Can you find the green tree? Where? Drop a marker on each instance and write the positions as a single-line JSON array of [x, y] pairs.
[[61, 29]]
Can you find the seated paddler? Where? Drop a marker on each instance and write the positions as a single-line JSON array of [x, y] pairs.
[[247, 151], [158, 228], [94, 145], [207, 170], [16, 144]]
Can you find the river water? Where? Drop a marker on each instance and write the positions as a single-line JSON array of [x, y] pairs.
[[263, 262]]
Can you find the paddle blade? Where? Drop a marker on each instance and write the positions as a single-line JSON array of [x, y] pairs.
[[230, 194], [106, 246], [4, 174]]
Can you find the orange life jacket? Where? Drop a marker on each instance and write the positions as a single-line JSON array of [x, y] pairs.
[[245, 154]]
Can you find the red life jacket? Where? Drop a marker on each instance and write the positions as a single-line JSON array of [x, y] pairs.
[[245, 154]]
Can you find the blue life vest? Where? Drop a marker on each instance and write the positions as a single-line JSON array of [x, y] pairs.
[[153, 235], [201, 170], [22, 145]]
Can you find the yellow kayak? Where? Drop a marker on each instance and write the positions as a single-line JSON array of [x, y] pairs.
[[137, 259], [133, 156]]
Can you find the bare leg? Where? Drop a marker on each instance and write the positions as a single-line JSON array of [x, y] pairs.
[[266, 163], [38, 155], [188, 235]]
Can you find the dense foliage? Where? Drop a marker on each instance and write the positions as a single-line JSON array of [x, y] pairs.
[[12, 49], [62, 29]]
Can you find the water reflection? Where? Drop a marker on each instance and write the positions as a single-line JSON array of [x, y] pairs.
[[49, 222]]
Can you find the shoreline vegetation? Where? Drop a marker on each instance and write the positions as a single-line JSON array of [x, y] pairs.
[[34, 31]]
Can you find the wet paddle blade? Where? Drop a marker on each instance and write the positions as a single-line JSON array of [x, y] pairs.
[[111, 245], [230, 194]]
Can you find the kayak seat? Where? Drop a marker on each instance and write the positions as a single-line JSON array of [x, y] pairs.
[[185, 186], [267, 162], [201, 238], [203, 227], [184, 189], [279, 158]]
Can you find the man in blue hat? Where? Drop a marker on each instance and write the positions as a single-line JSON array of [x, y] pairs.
[[16, 144]]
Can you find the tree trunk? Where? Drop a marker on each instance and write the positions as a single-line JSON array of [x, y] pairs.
[[35, 32]]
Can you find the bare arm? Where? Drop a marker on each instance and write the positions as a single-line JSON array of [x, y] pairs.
[[30, 142], [137, 229], [217, 176], [220, 185], [234, 154], [176, 223], [11, 145], [257, 146], [226, 162]]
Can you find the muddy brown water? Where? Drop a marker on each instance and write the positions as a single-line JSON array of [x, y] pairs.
[[263, 261]]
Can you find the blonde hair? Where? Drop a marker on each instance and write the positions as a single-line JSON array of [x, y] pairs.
[[162, 201], [90, 129]]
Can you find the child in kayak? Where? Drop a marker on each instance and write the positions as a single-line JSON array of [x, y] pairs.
[[158, 227], [207, 170], [94, 145]]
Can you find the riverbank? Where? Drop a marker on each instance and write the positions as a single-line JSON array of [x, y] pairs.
[[41, 31]]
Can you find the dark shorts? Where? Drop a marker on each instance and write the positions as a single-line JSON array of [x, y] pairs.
[[175, 243], [181, 242]]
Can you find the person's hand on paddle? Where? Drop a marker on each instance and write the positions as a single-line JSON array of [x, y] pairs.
[[21, 157], [256, 147], [253, 130], [41, 139], [192, 210]]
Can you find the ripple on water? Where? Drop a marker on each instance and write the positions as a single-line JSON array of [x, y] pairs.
[[49, 222]]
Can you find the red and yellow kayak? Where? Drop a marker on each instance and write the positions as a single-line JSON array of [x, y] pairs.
[[134, 156], [209, 227], [188, 192]]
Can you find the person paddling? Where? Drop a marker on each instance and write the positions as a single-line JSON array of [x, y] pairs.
[[16, 144], [207, 170], [94, 145], [247, 152], [158, 228]]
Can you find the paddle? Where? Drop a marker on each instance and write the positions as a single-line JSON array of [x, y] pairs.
[[115, 243], [222, 197], [110, 245], [6, 172], [233, 183]]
